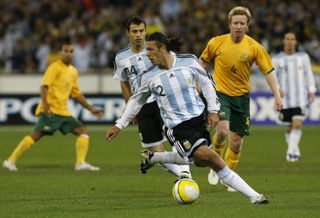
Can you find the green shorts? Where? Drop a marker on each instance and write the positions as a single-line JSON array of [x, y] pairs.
[[236, 109], [49, 124]]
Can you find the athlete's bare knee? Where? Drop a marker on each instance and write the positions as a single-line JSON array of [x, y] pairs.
[[296, 125], [81, 131], [222, 134], [156, 148], [36, 135], [236, 144], [204, 154]]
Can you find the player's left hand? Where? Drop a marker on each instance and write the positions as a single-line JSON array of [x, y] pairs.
[[312, 96], [278, 103], [113, 132], [213, 120]]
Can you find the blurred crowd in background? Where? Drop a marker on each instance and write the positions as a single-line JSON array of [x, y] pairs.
[[31, 31]]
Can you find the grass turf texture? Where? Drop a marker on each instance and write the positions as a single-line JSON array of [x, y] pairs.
[[46, 184]]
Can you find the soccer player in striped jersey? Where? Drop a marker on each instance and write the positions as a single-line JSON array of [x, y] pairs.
[[60, 81], [129, 65], [297, 88], [172, 80], [234, 55]]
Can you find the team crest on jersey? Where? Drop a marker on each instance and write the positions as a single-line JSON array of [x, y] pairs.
[[222, 114], [248, 121], [187, 145], [189, 81], [245, 57]]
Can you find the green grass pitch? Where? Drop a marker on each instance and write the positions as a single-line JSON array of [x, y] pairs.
[[46, 184]]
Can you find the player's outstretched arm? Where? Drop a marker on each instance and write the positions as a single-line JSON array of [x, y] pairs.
[[272, 82], [83, 101]]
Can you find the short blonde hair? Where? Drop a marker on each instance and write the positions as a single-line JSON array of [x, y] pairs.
[[239, 10]]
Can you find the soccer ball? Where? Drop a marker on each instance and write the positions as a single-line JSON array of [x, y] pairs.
[[185, 191]]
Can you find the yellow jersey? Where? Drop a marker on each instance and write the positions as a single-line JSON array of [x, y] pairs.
[[62, 82], [233, 62]]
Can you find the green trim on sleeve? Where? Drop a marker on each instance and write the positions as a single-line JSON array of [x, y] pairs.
[[270, 71], [204, 60]]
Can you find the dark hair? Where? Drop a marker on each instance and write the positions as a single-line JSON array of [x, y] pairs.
[[64, 41], [135, 20], [171, 44]]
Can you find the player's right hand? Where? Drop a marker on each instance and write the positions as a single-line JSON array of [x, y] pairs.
[[278, 103], [113, 132], [213, 120], [47, 109]]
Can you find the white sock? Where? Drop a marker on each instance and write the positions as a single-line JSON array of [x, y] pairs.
[[172, 168], [287, 137], [294, 141], [183, 168], [169, 157], [232, 179]]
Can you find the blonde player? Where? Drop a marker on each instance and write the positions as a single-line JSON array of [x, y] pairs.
[[234, 55], [59, 82]]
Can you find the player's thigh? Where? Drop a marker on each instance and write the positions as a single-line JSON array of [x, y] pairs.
[[48, 124], [188, 136], [292, 116], [150, 125], [72, 125], [298, 117], [240, 115], [240, 123], [205, 156], [285, 116], [225, 106]]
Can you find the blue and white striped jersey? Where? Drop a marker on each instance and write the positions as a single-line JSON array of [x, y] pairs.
[[295, 78], [129, 67], [175, 92]]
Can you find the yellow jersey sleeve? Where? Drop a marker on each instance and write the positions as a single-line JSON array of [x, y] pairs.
[[75, 90], [49, 75], [263, 60], [209, 52]]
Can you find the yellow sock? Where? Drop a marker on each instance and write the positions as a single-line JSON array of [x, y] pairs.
[[219, 148], [82, 145], [232, 158], [24, 145]]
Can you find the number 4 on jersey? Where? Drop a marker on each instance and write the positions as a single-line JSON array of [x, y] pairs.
[[233, 69], [132, 70]]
